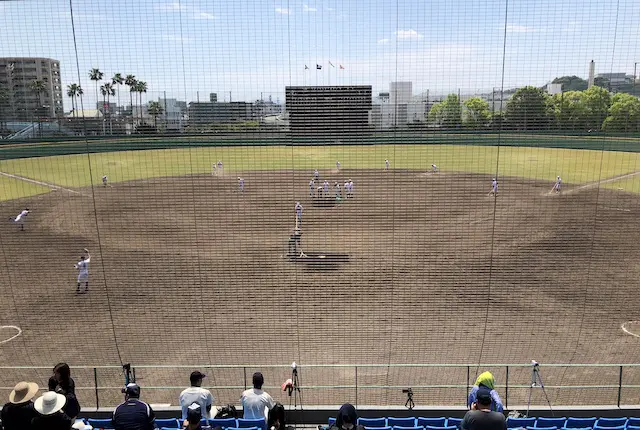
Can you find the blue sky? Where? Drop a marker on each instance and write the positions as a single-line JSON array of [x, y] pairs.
[[248, 47]]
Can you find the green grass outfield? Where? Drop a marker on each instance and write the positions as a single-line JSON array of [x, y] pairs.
[[574, 165]]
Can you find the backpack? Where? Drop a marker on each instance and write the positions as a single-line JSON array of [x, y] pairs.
[[276, 417], [228, 411]]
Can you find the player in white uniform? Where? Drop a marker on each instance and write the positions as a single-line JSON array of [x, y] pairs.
[[104, 180], [386, 164], [20, 218], [558, 185], [241, 184], [345, 189], [312, 186], [494, 187], [337, 165], [350, 188], [83, 272], [337, 189], [316, 174], [325, 187], [434, 168], [213, 169], [220, 166], [299, 210]]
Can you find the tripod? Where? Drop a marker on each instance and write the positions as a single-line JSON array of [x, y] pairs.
[[536, 380], [295, 395], [409, 404]]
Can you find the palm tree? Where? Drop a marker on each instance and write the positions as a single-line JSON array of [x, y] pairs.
[[96, 75], [141, 87], [39, 88], [117, 80], [4, 101], [130, 81], [107, 91], [73, 91], [155, 109]]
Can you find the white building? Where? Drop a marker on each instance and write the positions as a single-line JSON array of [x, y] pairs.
[[397, 107], [400, 92], [173, 114], [554, 89]]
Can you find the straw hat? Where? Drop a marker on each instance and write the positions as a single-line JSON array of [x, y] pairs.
[[23, 392], [49, 403]]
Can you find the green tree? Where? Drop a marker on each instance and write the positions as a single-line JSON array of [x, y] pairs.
[[476, 113], [624, 113], [107, 91], [569, 110], [96, 75], [571, 83], [130, 81], [528, 109], [141, 87], [447, 113], [155, 109], [117, 80], [74, 91], [597, 102]]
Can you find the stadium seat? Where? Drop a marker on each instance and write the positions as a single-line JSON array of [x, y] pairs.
[[609, 428], [454, 422], [441, 428], [243, 428], [223, 422], [612, 422], [248, 423], [100, 423], [408, 428], [433, 422], [168, 428], [633, 422], [372, 422], [542, 428], [332, 421], [401, 422], [378, 428], [550, 422], [168, 423], [514, 423], [573, 422], [574, 428], [631, 427]]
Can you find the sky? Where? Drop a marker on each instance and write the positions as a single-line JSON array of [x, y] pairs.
[[245, 49]]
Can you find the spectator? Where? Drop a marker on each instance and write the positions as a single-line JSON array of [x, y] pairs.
[[194, 418], [71, 407], [256, 403], [486, 380], [19, 412], [196, 394], [49, 413], [133, 413], [481, 417], [62, 374], [347, 419]]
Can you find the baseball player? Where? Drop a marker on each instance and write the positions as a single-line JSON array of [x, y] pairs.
[[241, 184], [337, 189], [337, 165], [386, 164], [319, 192], [20, 218], [312, 186], [299, 210], [350, 188], [104, 180], [494, 187], [316, 174], [345, 189], [220, 166], [325, 187], [557, 186], [213, 169], [83, 271], [434, 168]]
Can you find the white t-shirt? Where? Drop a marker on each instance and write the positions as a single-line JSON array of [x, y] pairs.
[[256, 404], [198, 395], [83, 266]]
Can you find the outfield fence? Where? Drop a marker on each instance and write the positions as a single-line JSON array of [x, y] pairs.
[[566, 385]]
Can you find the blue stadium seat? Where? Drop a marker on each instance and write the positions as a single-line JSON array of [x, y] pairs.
[[372, 422], [401, 422], [243, 428], [222, 422], [378, 428], [609, 428], [633, 422], [332, 421], [100, 423], [514, 423], [168, 428], [454, 422], [574, 422], [574, 428], [433, 422], [632, 427], [612, 422], [542, 428], [408, 428], [441, 428], [247, 423], [168, 423], [550, 422]]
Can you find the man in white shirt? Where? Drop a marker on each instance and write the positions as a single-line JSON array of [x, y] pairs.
[[196, 394], [83, 271], [19, 219], [256, 403]]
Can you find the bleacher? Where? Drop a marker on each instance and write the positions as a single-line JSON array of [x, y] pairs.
[[174, 423]]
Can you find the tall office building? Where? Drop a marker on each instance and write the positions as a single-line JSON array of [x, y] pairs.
[[21, 102], [400, 92]]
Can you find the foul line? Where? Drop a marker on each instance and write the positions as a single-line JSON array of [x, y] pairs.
[[604, 181], [45, 184]]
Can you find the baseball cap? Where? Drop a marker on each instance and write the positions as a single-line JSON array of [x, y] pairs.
[[132, 389], [483, 396], [196, 375], [194, 413]]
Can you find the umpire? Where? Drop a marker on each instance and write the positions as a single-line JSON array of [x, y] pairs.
[[133, 414]]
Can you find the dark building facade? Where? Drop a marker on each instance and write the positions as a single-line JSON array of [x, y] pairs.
[[212, 113], [329, 110]]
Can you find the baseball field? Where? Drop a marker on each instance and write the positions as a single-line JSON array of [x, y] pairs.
[[185, 269]]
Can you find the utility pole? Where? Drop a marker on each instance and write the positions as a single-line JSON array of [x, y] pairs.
[[635, 65]]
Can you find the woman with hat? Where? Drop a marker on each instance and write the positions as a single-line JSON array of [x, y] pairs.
[[18, 413], [50, 416]]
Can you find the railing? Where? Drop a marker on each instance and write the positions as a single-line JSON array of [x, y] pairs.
[[613, 385]]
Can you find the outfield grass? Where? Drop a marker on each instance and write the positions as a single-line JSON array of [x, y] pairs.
[[575, 166], [14, 188]]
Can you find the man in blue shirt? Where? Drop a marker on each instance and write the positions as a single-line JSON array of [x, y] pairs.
[[133, 414]]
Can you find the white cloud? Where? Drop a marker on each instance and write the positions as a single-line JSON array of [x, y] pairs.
[[408, 35], [383, 41], [306, 8], [513, 28], [283, 11], [174, 38], [171, 7], [204, 15], [330, 9]]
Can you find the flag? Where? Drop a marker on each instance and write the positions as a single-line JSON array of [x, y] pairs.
[[341, 68], [306, 67], [331, 64], [318, 67]]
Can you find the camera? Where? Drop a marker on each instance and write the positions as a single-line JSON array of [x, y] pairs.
[[408, 391], [535, 363]]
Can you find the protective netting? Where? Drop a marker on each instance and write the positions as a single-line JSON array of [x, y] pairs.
[[480, 203]]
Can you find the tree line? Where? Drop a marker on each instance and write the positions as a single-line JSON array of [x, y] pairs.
[[531, 108]]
